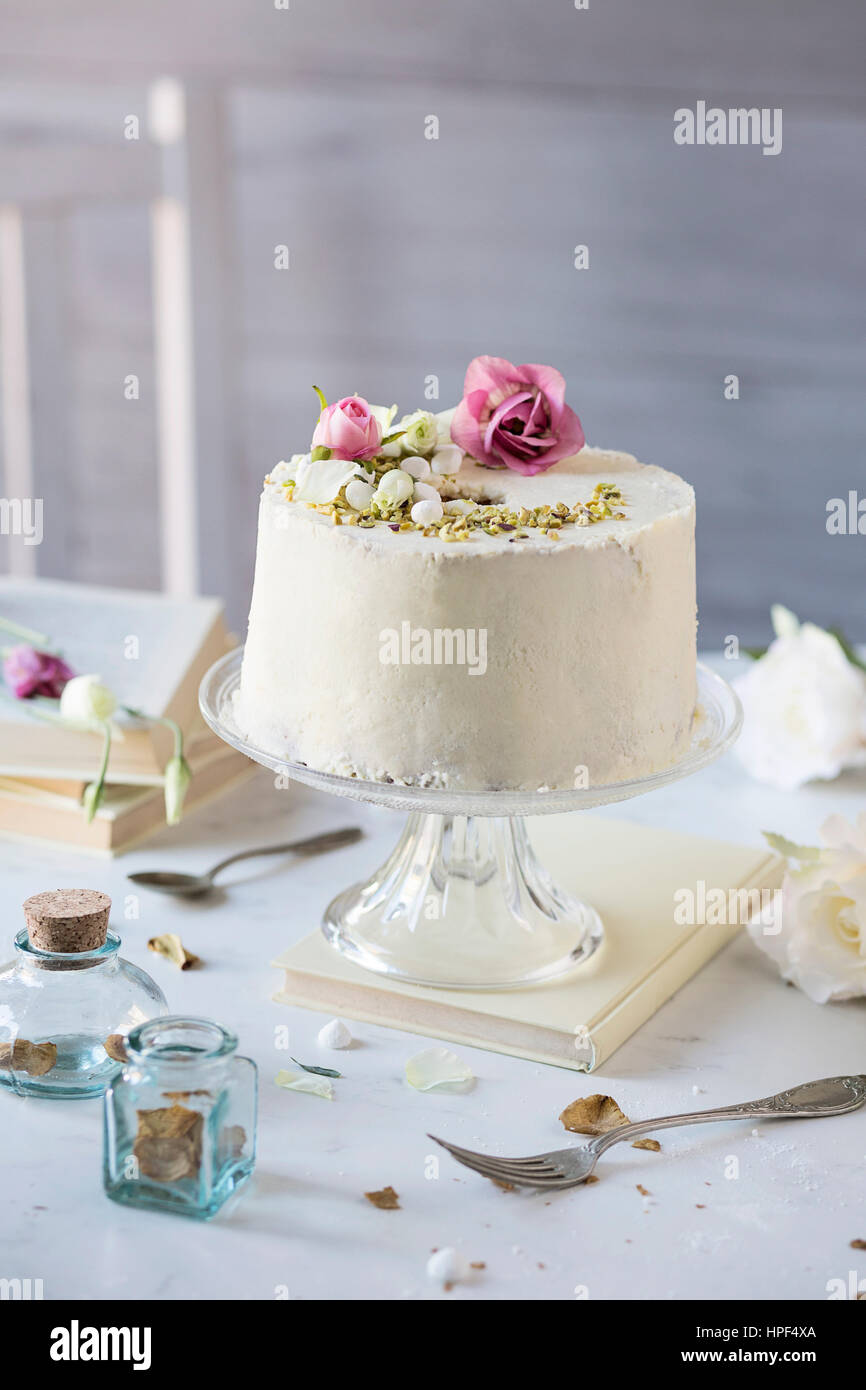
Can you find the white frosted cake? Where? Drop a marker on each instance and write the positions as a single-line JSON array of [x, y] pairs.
[[423, 614]]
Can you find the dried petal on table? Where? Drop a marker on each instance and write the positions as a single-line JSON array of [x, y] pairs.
[[598, 1114], [593, 1115], [308, 1085], [172, 948], [439, 1069], [386, 1200]]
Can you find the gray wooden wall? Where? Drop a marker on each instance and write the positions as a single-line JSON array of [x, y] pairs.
[[409, 255]]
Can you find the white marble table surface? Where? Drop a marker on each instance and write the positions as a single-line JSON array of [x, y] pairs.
[[303, 1230]]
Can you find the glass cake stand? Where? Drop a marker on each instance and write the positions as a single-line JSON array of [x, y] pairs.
[[462, 902]]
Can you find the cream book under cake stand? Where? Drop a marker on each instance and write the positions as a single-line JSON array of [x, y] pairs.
[[462, 902]]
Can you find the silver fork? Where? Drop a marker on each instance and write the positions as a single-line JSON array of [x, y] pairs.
[[835, 1095]]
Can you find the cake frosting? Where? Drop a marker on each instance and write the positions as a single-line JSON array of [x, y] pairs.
[[525, 630]]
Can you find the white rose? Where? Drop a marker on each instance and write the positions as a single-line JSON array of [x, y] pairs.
[[805, 708], [395, 487], [819, 938], [421, 433], [384, 415], [85, 700]]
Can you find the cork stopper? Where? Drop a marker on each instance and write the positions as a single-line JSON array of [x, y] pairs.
[[67, 920]]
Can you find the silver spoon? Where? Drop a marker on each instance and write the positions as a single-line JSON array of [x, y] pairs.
[[189, 885]]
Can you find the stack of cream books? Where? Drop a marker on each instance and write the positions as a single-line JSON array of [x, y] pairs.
[[152, 651]]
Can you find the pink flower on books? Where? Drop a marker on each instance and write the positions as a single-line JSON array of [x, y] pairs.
[[515, 417], [29, 673], [349, 429]]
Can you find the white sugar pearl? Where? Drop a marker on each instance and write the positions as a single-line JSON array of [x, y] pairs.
[[447, 459], [335, 1035], [358, 494], [425, 493], [447, 1266], [427, 511], [395, 487], [459, 507], [418, 467]]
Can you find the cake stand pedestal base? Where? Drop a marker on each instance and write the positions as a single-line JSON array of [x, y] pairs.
[[463, 903]]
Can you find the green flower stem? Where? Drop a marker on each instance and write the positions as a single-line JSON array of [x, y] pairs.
[[93, 793], [159, 719], [177, 773], [36, 639]]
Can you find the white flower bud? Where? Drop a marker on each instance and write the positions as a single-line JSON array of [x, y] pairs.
[[394, 487], [421, 433], [178, 776], [85, 700]]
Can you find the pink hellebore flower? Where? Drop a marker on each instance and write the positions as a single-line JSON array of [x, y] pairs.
[[515, 417], [349, 429], [30, 672]]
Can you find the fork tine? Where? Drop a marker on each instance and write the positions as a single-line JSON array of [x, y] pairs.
[[488, 1170], [530, 1161], [508, 1170]]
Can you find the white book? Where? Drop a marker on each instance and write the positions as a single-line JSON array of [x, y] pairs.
[[632, 875]]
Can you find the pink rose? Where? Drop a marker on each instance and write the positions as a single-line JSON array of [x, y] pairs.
[[349, 429], [515, 417], [30, 673]]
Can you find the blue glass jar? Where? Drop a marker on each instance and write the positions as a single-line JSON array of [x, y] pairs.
[[65, 1013], [180, 1118]]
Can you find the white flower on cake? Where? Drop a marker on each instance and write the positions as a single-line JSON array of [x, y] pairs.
[[420, 433], [447, 459], [395, 487], [384, 415], [415, 465], [805, 707], [819, 941], [320, 480]]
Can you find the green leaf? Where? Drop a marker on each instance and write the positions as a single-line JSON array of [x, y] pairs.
[[320, 453], [317, 1071], [389, 438], [789, 849], [321, 398], [755, 653]]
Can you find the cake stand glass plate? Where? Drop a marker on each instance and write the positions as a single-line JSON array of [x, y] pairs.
[[462, 902]]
